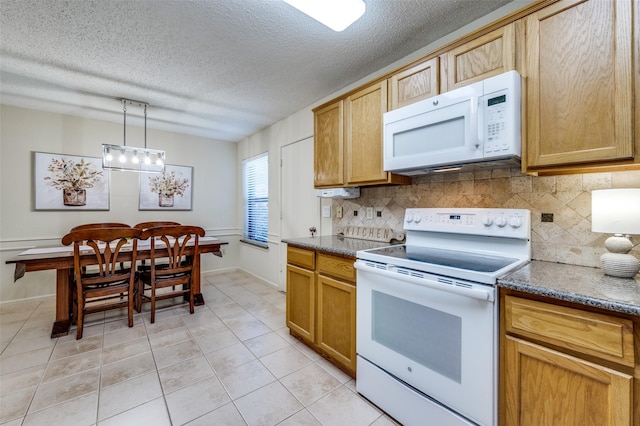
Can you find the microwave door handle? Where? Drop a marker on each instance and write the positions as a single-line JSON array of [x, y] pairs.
[[476, 120], [481, 123]]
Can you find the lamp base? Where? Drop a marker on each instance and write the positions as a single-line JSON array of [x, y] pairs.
[[619, 265]]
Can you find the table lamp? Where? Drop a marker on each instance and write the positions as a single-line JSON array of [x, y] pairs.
[[617, 211]]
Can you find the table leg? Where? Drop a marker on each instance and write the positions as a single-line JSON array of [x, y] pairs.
[[61, 325], [198, 300]]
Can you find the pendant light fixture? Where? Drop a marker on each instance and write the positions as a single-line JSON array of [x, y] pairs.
[[130, 158]]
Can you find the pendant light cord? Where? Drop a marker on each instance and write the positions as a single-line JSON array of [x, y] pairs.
[[145, 126], [124, 103]]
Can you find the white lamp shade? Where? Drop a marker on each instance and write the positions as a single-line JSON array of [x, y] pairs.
[[616, 211]]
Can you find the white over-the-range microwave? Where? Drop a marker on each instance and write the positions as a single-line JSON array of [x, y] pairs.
[[476, 126]]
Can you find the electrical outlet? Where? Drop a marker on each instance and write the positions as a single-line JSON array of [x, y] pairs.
[[355, 212], [339, 212], [379, 213], [369, 212], [547, 217]]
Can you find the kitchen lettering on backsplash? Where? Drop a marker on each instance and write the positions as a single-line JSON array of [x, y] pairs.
[[366, 233], [567, 239]]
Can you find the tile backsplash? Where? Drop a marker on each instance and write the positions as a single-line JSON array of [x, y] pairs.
[[567, 239]]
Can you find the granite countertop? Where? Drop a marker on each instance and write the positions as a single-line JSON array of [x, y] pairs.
[[578, 284], [335, 244]]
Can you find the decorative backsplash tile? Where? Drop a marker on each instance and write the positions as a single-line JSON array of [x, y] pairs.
[[566, 239]]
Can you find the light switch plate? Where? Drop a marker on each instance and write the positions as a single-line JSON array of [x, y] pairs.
[[339, 212], [326, 211]]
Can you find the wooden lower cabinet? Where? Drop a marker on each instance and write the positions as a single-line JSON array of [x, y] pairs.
[[321, 304], [547, 387], [336, 326], [562, 365], [301, 295]]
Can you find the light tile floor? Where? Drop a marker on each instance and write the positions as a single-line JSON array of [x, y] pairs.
[[231, 363]]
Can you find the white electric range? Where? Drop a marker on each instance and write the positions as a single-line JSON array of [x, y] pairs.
[[427, 314]]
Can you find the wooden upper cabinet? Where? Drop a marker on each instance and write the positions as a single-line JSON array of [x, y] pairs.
[[363, 134], [413, 84], [488, 55], [579, 83], [348, 141], [329, 146]]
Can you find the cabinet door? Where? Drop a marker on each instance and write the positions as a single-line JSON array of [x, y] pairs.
[[545, 387], [363, 133], [419, 82], [337, 321], [301, 289], [329, 146], [579, 83], [491, 54]]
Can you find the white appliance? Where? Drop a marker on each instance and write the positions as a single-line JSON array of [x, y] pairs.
[[476, 126], [427, 314], [350, 192]]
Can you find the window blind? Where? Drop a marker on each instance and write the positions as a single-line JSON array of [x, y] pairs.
[[255, 173]]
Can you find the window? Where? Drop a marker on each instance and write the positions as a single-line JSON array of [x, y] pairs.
[[255, 175]]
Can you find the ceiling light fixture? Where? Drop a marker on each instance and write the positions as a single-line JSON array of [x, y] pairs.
[[128, 158], [335, 14]]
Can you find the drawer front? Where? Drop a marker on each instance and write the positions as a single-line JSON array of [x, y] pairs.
[[603, 336], [339, 267], [301, 257]]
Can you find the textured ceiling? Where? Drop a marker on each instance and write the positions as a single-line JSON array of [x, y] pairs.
[[222, 69]]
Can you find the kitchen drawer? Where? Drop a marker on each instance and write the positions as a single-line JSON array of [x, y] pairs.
[[301, 257], [606, 337], [338, 267]]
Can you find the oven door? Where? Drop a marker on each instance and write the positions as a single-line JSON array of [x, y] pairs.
[[439, 338]]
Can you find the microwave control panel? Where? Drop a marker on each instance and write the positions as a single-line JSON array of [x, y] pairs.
[[496, 131], [500, 115]]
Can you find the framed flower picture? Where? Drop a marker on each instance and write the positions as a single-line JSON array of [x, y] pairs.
[[69, 182], [170, 190]]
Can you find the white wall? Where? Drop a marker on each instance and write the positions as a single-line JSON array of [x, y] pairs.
[[266, 263], [25, 131]]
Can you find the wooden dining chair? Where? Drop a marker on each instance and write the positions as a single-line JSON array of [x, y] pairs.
[[152, 224], [108, 286], [177, 246]]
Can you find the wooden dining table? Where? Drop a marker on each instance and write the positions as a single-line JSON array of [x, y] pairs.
[[60, 259]]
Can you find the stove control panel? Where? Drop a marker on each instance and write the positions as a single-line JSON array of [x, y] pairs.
[[511, 223]]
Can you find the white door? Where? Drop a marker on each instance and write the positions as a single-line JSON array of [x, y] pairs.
[[300, 207]]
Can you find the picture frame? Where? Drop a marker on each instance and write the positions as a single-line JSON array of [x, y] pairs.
[[69, 182], [170, 190]]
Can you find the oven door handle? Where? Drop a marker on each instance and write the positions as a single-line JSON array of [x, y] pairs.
[[476, 293]]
